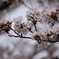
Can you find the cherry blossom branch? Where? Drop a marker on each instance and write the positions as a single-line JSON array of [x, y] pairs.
[[31, 38], [24, 27], [37, 40]]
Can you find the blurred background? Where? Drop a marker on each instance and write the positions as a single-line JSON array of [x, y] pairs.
[[26, 49]]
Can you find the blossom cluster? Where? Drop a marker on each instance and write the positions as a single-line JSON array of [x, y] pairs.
[[5, 25], [22, 28]]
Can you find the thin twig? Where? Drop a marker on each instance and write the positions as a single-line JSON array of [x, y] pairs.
[[34, 24], [30, 30], [35, 27]]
